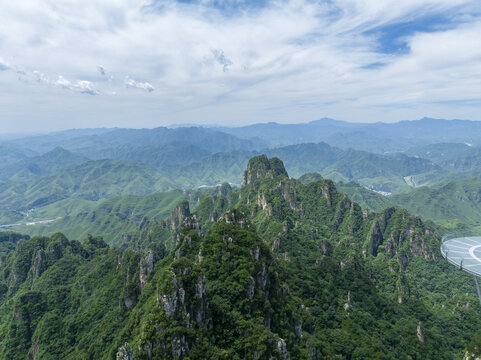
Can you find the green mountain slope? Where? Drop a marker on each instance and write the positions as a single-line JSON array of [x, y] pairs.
[[377, 171], [92, 180], [438, 152], [453, 202], [10, 154], [155, 155], [276, 269], [385, 173], [364, 197], [114, 219], [45, 180], [41, 165]]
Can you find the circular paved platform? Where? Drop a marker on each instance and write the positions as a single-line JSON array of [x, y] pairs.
[[464, 252]]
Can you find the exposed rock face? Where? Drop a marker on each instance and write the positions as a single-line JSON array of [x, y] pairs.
[[326, 247], [377, 230], [125, 352], [469, 356], [146, 267], [328, 191], [420, 332], [188, 301], [391, 231], [170, 300], [260, 167], [39, 263], [224, 189], [282, 349], [180, 348], [376, 238], [178, 215], [235, 218]]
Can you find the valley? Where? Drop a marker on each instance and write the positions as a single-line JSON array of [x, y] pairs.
[[348, 232]]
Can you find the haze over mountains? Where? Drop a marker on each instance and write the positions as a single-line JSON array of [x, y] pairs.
[[96, 164]]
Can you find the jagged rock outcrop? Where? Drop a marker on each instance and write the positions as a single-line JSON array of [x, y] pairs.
[[181, 211], [228, 270], [146, 267], [125, 352], [260, 167], [420, 332]]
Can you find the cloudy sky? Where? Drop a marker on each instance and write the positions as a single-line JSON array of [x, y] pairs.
[[135, 63]]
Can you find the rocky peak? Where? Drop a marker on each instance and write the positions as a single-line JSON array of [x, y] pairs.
[[181, 211], [260, 167], [235, 217]]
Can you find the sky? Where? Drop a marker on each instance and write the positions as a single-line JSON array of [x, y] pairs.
[[135, 63]]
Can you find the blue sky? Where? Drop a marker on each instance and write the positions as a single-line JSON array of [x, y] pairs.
[[133, 63]]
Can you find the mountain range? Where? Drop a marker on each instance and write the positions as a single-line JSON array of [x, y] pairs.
[[274, 269]]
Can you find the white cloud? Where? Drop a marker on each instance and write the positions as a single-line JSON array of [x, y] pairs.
[[85, 87], [81, 86], [131, 83], [292, 60], [61, 81], [4, 65]]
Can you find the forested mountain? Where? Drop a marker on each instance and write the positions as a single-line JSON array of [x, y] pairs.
[[275, 269], [439, 152], [92, 180], [116, 218], [59, 175], [381, 172], [451, 205], [40, 165], [10, 154], [165, 281]]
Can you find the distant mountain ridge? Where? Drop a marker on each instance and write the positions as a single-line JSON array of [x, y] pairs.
[[376, 137], [89, 143]]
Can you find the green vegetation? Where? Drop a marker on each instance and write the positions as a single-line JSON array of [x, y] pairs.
[[92, 180], [452, 206], [276, 269], [115, 219], [364, 197], [41, 165]]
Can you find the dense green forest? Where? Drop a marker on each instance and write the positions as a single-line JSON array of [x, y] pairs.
[[278, 268], [120, 243]]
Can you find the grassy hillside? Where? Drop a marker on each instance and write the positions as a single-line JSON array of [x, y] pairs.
[[449, 204]]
